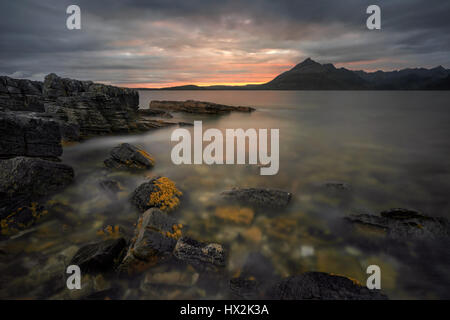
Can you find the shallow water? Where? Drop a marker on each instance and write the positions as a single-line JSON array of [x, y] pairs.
[[392, 148]]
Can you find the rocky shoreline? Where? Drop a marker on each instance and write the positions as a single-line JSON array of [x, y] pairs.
[[37, 118]]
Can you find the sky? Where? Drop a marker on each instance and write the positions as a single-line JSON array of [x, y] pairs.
[[145, 43]]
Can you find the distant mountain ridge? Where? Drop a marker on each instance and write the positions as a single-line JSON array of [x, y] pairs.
[[311, 75]]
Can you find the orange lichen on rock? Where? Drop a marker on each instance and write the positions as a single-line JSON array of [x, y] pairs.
[[11, 225], [166, 197], [176, 233], [109, 232], [235, 214]]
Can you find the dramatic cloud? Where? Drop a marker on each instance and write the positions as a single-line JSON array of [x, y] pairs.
[[141, 43]]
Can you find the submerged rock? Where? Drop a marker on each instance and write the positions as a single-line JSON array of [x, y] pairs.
[[28, 135], [202, 255], [404, 223], [192, 106], [154, 239], [159, 193], [128, 156], [258, 197], [322, 286], [99, 257]]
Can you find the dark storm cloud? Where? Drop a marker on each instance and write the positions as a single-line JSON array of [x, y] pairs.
[[159, 42]]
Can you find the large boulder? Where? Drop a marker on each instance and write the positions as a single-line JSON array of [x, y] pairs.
[[33, 176], [28, 135], [404, 224], [154, 239], [322, 286], [257, 197], [23, 183], [201, 107], [20, 95], [126, 155], [160, 192], [94, 108]]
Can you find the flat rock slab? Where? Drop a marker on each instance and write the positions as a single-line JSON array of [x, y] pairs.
[[203, 255], [199, 107], [322, 286], [99, 257], [154, 238], [258, 197], [404, 223], [127, 155]]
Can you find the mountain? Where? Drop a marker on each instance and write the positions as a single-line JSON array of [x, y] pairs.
[[311, 75]]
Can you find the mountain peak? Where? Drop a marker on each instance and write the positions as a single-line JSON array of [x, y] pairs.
[[305, 63]]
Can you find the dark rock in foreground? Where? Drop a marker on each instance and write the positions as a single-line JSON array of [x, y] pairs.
[[404, 224], [99, 257], [28, 135], [258, 197], [191, 106], [154, 239], [322, 286], [202, 255], [129, 156]]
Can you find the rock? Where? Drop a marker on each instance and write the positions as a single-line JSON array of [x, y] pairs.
[[154, 239], [144, 124], [322, 286], [32, 177], [100, 256], [202, 255], [128, 156], [404, 224], [199, 107], [154, 113], [258, 197], [90, 107], [159, 192], [21, 95], [28, 135]]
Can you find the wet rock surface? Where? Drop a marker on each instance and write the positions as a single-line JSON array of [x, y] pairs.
[[129, 156], [200, 107], [99, 257], [322, 286], [258, 197], [27, 135], [404, 224], [154, 113], [202, 255], [160, 192], [154, 239]]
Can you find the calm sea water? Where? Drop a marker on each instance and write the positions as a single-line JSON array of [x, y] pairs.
[[392, 148]]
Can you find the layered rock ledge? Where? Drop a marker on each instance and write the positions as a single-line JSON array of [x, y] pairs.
[[200, 107]]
